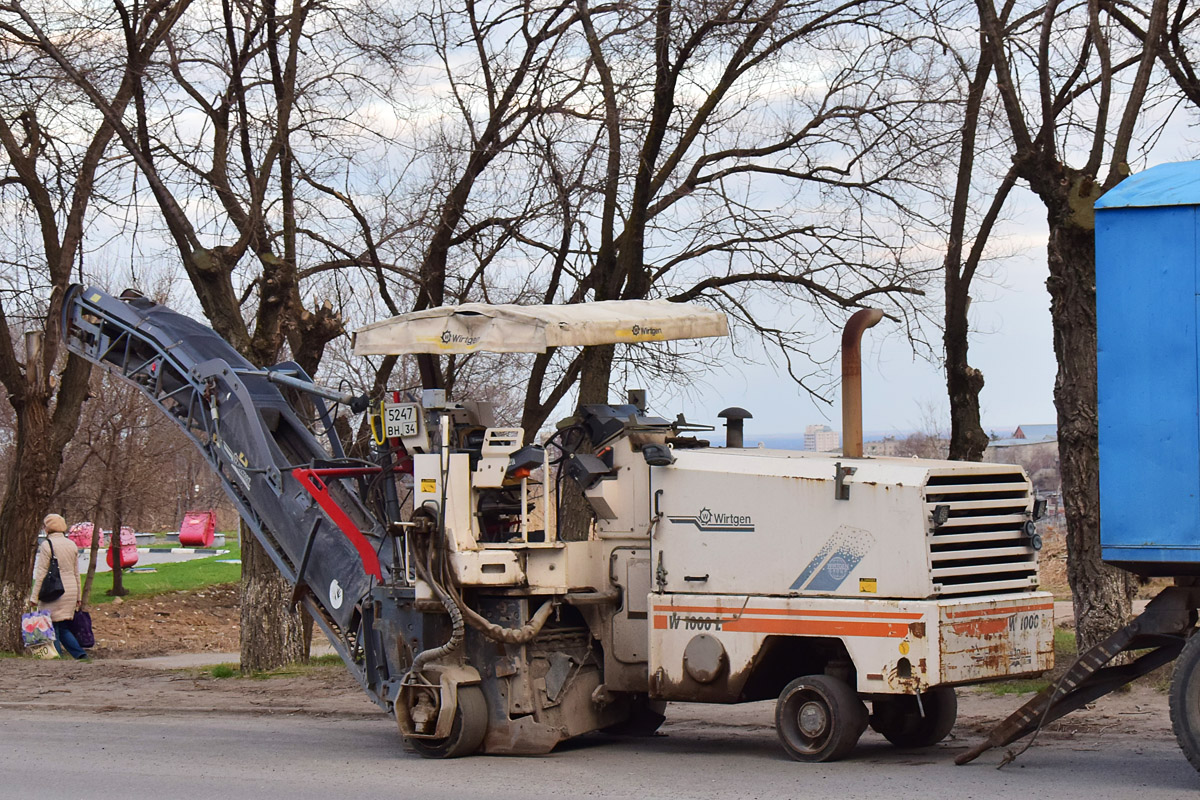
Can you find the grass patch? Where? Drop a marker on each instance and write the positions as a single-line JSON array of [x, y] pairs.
[[183, 576], [288, 671], [327, 660], [1064, 645], [293, 670], [1025, 686]]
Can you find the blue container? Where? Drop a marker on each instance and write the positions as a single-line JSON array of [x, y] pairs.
[[1148, 362]]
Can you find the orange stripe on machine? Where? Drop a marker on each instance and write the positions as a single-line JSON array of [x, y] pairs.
[[793, 627], [788, 612], [991, 612]]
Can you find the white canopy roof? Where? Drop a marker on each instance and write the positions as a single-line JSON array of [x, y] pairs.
[[475, 327]]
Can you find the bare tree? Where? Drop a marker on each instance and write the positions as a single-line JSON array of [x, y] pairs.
[[243, 74], [54, 152], [1057, 68], [974, 207], [680, 150]]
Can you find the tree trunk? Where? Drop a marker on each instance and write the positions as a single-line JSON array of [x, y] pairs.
[[114, 551], [30, 483], [574, 513], [272, 632], [963, 384], [596, 373], [1102, 594], [85, 594]]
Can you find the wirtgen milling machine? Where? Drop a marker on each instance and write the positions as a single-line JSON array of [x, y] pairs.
[[443, 570]]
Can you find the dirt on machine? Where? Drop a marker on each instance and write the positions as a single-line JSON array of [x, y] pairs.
[[470, 603]]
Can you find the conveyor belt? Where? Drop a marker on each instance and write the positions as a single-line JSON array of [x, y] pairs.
[[254, 439]]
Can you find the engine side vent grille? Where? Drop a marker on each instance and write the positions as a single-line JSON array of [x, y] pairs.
[[982, 547]]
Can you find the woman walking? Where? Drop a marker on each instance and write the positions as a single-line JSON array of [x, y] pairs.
[[62, 609]]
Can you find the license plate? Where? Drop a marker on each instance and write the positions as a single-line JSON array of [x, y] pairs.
[[400, 420]]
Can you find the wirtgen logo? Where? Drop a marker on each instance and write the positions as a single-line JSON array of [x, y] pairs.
[[646, 330], [709, 520], [458, 338]]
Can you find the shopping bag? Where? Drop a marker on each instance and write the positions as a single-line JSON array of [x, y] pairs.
[[81, 626], [46, 652], [37, 628]]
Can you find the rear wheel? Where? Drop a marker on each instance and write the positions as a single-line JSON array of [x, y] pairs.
[[470, 726], [1185, 700], [819, 718], [898, 718]]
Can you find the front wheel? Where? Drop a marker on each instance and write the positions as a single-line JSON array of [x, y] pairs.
[[1185, 700], [470, 726], [819, 718], [898, 718]]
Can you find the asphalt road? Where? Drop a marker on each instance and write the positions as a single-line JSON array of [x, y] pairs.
[[54, 754]]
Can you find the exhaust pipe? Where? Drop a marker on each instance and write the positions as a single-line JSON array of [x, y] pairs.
[[852, 432], [734, 417]]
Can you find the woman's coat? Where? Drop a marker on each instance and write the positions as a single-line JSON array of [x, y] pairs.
[[68, 566]]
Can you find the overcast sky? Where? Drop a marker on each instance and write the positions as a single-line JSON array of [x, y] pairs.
[[1011, 343]]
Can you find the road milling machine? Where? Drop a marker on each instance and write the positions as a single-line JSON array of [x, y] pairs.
[[445, 570]]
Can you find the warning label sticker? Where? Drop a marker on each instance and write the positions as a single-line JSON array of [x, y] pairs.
[[428, 485]]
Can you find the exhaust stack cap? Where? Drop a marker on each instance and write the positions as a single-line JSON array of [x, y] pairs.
[[733, 425]]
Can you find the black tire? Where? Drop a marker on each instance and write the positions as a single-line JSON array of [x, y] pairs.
[[819, 718], [898, 717], [1185, 701], [470, 726], [645, 717]]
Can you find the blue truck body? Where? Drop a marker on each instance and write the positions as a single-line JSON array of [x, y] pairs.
[[1148, 364]]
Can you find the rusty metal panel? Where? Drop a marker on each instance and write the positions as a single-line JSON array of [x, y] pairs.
[[897, 646], [1000, 637]]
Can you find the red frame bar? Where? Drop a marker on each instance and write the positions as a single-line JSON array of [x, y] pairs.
[[310, 479]]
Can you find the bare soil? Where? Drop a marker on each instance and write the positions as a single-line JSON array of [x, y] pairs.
[[118, 686], [205, 621]]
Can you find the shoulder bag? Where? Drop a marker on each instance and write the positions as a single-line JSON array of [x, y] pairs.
[[52, 585]]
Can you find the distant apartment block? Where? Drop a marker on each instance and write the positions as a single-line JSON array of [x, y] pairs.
[[822, 439], [887, 446]]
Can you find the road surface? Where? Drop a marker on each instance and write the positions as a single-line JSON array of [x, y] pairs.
[[706, 752]]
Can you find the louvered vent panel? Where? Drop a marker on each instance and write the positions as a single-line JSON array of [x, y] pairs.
[[982, 548]]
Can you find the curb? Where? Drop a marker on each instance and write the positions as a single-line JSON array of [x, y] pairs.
[[200, 551]]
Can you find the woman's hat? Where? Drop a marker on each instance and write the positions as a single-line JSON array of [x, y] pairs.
[[54, 523]]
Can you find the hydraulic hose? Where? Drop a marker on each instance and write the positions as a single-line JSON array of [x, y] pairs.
[[456, 620], [499, 633]]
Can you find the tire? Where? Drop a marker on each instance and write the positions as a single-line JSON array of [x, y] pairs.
[[819, 718], [1185, 700], [470, 726], [898, 717], [645, 717]]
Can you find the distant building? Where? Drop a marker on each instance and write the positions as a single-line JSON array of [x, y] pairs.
[[1036, 433], [822, 439], [887, 446], [1034, 447]]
